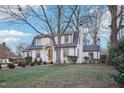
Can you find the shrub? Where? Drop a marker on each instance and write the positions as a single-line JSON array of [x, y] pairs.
[[23, 64], [28, 60], [113, 52], [119, 78], [95, 60], [35, 60], [51, 62], [39, 62], [72, 59], [27, 63], [0, 66], [117, 61], [32, 64], [44, 63], [86, 58], [19, 64], [11, 65], [121, 68], [103, 58], [116, 56]]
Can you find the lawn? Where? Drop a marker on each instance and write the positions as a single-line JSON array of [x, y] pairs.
[[84, 75]]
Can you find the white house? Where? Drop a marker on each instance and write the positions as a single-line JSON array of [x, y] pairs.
[[71, 45], [120, 34]]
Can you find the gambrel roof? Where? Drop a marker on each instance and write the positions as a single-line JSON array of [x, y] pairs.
[[86, 48]]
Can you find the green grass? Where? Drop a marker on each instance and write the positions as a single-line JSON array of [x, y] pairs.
[[86, 75]]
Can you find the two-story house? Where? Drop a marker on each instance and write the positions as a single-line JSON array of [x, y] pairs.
[[4, 53], [6, 56], [71, 45]]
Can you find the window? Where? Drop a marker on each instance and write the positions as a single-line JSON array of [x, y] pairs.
[[66, 38], [37, 54], [28, 54], [50, 41], [65, 52], [38, 42], [91, 55]]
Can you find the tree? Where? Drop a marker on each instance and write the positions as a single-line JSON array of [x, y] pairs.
[[76, 21], [117, 17], [53, 23], [92, 20], [19, 48]]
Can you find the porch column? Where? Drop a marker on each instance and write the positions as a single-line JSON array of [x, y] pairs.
[[54, 55], [44, 54]]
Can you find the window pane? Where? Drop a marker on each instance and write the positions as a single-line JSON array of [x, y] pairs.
[[66, 38], [37, 54], [65, 52]]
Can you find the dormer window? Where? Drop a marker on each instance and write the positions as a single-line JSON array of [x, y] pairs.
[[38, 42], [66, 38]]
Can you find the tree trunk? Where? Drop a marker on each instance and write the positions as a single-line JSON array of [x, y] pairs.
[[113, 36], [58, 55], [114, 29], [58, 52], [95, 39]]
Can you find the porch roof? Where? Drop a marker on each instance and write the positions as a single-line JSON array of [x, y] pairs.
[[31, 47], [67, 45], [91, 48]]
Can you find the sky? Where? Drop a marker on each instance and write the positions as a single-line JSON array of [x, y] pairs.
[[13, 33]]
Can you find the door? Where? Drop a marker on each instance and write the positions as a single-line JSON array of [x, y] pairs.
[[50, 54]]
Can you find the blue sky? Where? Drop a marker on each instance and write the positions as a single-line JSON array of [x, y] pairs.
[[14, 34], [11, 41]]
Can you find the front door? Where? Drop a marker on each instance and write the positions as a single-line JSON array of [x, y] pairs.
[[50, 54]]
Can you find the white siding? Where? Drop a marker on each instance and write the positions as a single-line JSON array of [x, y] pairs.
[[38, 42], [70, 38], [56, 39], [33, 55], [71, 51], [95, 54], [61, 56], [45, 41], [62, 39], [54, 56], [86, 54], [4, 60]]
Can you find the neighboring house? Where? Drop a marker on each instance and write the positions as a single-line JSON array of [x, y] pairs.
[[4, 53], [71, 45], [13, 57], [120, 33]]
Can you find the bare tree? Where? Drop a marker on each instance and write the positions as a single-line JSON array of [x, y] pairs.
[[19, 48], [92, 20], [53, 23], [117, 18], [76, 21]]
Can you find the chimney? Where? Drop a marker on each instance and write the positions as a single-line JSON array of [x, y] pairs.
[[4, 43]]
